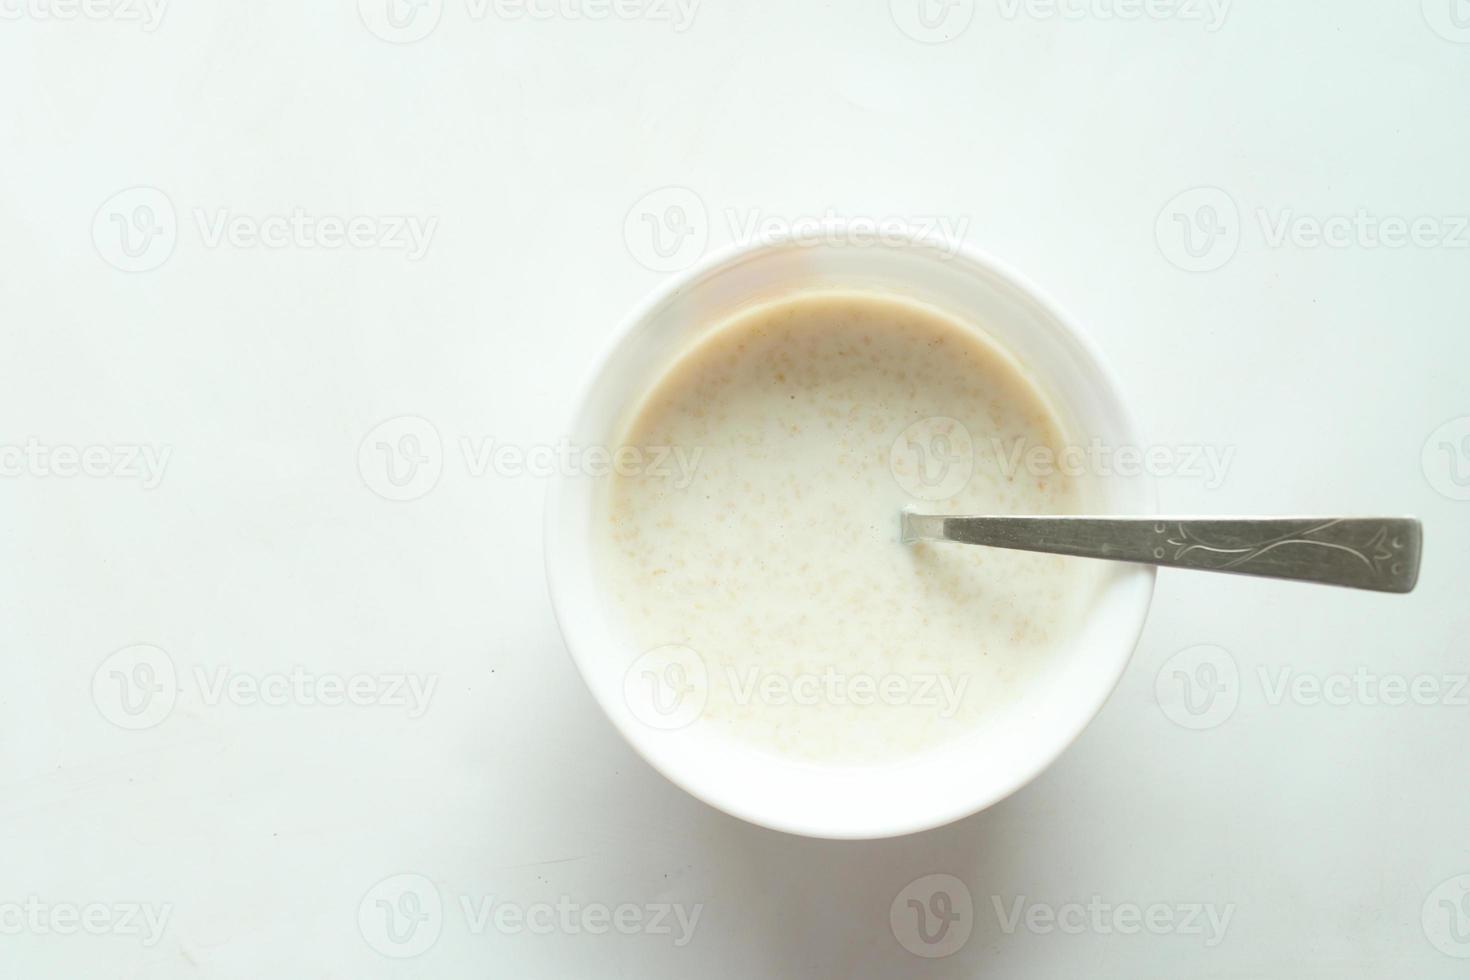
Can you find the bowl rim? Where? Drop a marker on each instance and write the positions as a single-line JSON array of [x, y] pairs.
[[562, 604]]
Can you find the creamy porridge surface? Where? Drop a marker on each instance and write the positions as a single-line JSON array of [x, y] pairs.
[[808, 425]]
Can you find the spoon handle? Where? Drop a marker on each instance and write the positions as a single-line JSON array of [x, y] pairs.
[[1376, 553]]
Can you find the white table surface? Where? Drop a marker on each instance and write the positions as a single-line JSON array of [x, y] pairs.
[[261, 827]]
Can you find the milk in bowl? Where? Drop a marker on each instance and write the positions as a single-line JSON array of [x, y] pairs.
[[749, 542]]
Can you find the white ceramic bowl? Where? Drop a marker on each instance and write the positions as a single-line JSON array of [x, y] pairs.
[[1012, 745]]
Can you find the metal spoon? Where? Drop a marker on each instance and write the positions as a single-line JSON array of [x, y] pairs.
[[1376, 553]]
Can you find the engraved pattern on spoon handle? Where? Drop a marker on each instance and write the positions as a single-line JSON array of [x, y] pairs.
[[1376, 553]]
